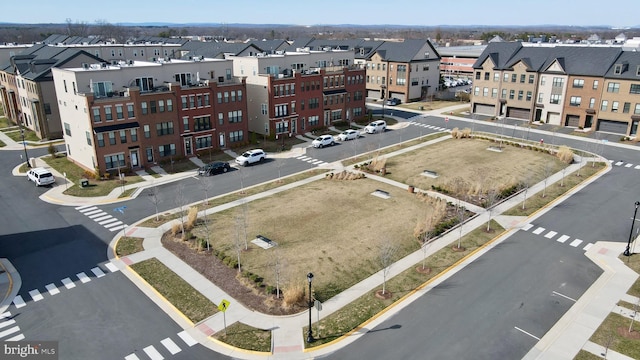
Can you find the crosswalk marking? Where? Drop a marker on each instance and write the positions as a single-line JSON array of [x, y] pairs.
[[35, 295], [153, 353], [119, 227], [187, 338], [112, 219], [83, 207], [527, 227], [539, 230], [637, 167], [322, 163], [52, 289], [97, 272], [97, 215], [551, 234], [104, 217], [7, 323], [619, 163], [83, 277], [171, 346], [9, 331], [18, 302], [131, 357], [16, 338], [111, 267], [575, 242], [628, 165], [68, 283], [84, 210], [563, 238], [113, 224], [587, 247], [92, 212]]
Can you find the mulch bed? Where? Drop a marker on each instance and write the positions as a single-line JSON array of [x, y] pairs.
[[227, 279]]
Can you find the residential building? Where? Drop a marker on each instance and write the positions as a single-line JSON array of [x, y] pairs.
[[134, 114], [457, 61]]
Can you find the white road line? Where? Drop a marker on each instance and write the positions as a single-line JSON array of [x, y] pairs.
[[322, 163], [303, 158], [102, 218], [5, 315], [18, 302], [101, 213], [187, 338], [171, 346], [300, 157], [16, 338], [93, 212], [564, 296], [111, 267], [68, 283], [311, 160], [117, 228], [576, 242], [587, 247], [551, 234], [35, 295], [108, 221], [97, 272], [637, 167], [533, 336], [628, 165], [611, 161], [113, 224], [131, 357], [527, 227], [9, 331], [83, 277], [85, 209], [539, 230], [52, 289], [317, 162], [7, 323], [153, 353], [619, 163], [562, 238]]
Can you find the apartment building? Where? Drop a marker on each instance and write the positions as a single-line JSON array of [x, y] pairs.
[[556, 85], [134, 114], [292, 93]]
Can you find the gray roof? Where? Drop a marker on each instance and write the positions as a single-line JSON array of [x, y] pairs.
[[470, 51], [270, 46], [36, 64], [403, 51], [217, 49], [630, 61], [56, 39]]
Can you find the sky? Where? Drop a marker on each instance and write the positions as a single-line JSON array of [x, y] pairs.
[[329, 12]]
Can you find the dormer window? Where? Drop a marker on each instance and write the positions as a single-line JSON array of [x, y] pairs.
[[617, 69], [426, 55]]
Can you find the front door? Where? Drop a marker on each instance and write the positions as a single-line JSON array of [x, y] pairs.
[[187, 146], [293, 125], [135, 162], [221, 140]]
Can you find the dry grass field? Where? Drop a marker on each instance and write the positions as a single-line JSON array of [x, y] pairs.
[[470, 160], [332, 228]]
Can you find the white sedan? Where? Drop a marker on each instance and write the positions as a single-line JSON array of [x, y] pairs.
[[348, 135]]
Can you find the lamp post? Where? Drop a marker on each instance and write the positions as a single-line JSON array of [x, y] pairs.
[[384, 98], [309, 333], [24, 144], [626, 251]]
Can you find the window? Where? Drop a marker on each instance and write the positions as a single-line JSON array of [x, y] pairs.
[[531, 79], [314, 120], [520, 94], [592, 103], [145, 84], [523, 77], [282, 127], [477, 75], [96, 115], [314, 103], [617, 69], [595, 84], [504, 94], [100, 137], [107, 113], [486, 75], [114, 161], [575, 101], [494, 92], [228, 73], [476, 91], [540, 98], [233, 94], [184, 102], [102, 88], [64, 82], [119, 112], [543, 80], [506, 77], [192, 101], [514, 77], [112, 138], [555, 99], [152, 106], [88, 136], [166, 150], [134, 135], [626, 107], [557, 82], [604, 105], [220, 118], [496, 77], [169, 105], [226, 96], [147, 132], [263, 109], [529, 95], [614, 106], [165, 128], [235, 136], [161, 105], [578, 83], [203, 142], [144, 108], [123, 136], [184, 78], [613, 87], [635, 89], [239, 95], [281, 110], [207, 102], [512, 94], [67, 129], [47, 108], [202, 123], [485, 91], [637, 109], [185, 123], [130, 112]]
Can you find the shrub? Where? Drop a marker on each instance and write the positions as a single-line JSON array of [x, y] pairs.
[[466, 133], [455, 133], [378, 163], [192, 218], [51, 149], [293, 294], [175, 229]]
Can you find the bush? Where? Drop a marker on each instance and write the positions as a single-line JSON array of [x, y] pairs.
[[192, 218], [565, 154], [175, 229], [51, 149], [294, 294]]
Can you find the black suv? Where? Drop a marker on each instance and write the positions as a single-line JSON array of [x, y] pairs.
[[214, 168]]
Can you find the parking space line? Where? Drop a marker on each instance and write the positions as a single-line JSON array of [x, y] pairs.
[[564, 296], [533, 336]]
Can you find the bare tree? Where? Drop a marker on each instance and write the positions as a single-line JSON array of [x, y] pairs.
[[180, 202], [280, 164], [79, 28], [205, 187], [238, 242], [244, 217], [207, 235], [386, 254], [490, 201], [524, 185], [426, 240], [153, 196], [461, 213], [242, 174], [547, 170], [277, 268]]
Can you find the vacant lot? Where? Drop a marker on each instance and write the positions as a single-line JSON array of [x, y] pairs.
[[332, 228], [470, 160]]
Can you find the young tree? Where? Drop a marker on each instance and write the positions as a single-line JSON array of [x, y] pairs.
[[204, 184], [547, 171], [490, 201], [461, 213], [180, 202], [524, 185], [280, 164], [153, 196], [277, 268], [238, 240], [426, 240], [386, 254]]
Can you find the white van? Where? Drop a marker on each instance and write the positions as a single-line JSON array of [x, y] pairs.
[[40, 176]]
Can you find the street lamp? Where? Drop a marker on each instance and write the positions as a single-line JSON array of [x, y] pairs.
[[24, 144], [384, 98], [626, 251], [309, 333]]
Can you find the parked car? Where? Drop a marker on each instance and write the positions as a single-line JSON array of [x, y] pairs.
[[376, 127], [251, 157], [322, 141], [348, 135], [393, 102], [214, 168], [40, 176]]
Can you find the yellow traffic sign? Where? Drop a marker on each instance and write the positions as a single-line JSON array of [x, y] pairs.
[[224, 305]]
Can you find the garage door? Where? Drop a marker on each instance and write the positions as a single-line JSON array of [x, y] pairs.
[[572, 120], [616, 127], [518, 113], [553, 118], [483, 109]]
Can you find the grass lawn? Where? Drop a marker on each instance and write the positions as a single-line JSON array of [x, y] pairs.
[[178, 166], [585, 355], [178, 292], [129, 245], [5, 123], [2, 144], [16, 136], [246, 337], [614, 330], [362, 157]]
